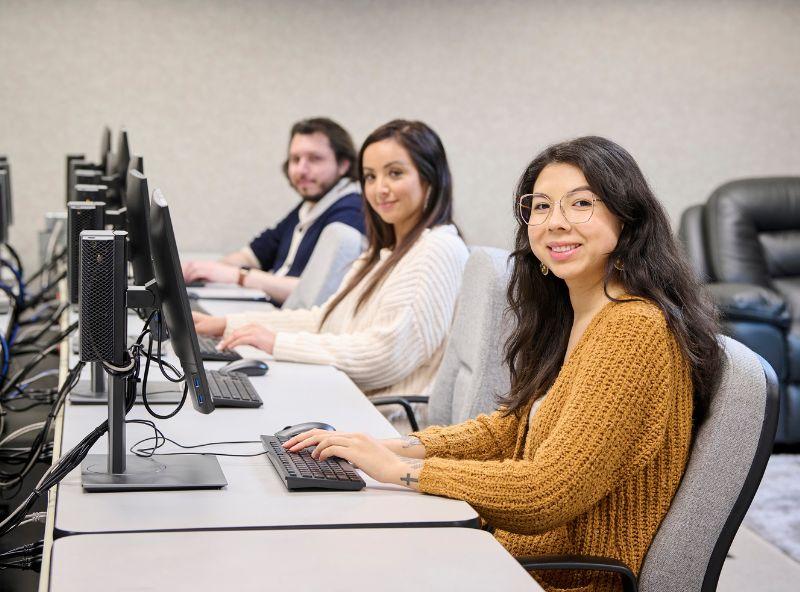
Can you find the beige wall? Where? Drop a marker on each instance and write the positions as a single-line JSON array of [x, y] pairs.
[[700, 92]]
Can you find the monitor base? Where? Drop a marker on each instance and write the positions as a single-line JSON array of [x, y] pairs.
[[152, 474]]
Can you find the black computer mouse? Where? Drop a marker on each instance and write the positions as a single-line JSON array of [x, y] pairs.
[[290, 431], [248, 366]]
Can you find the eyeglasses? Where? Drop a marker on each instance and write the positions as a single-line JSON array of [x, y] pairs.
[[577, 207]]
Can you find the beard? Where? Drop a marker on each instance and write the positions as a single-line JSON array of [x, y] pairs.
[[318, 196]]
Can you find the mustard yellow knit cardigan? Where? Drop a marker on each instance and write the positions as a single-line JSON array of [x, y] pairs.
[[595, 472]]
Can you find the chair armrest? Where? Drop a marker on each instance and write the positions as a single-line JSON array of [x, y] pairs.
[[568, 562], [748, 302], [405, 402]]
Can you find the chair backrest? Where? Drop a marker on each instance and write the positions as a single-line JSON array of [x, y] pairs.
[[473, 373], [726, 463], [692, 235], [336, 249], [753, 230]]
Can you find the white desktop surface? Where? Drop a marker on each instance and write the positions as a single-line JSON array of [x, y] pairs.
[[255, 496], [296, 560]]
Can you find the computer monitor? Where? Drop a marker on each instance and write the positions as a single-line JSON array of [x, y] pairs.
[[137, 164], [121, 158], [8, 209], [138, 214], [3, 211], [175, 302], [105, 147]]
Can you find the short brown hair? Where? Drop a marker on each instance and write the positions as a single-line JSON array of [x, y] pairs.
[[340, 141]]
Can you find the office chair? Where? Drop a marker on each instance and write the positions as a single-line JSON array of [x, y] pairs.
[[726, 463], [745, 246], [336, 249], [473, 372]]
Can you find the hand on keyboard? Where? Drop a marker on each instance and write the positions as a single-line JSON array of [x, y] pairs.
[[364, 451]]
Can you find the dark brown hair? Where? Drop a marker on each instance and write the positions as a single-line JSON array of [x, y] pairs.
[[340, 141], [427, 153], [653, 267]]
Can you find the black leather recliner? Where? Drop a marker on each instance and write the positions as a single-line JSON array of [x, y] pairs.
[[745, 244]]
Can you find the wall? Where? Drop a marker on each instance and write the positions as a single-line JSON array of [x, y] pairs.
[[699, 92]]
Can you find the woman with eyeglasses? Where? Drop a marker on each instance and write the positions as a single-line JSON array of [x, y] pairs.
[[613, 362], [386, 325]]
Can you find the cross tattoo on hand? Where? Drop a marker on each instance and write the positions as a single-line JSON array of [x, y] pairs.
[[408, 479]]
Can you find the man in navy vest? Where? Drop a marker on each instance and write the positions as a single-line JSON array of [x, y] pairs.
[[321, 167]]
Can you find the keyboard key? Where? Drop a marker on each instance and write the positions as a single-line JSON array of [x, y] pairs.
[[301, 471]]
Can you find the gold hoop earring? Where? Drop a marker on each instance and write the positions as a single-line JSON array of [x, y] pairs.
[[544, 268], [618, 265]]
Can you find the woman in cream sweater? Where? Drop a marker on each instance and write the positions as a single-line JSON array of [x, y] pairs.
[[613, 361], [386, 325]]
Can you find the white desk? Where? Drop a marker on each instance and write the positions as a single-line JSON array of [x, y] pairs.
[[255, 496], [296, 560]]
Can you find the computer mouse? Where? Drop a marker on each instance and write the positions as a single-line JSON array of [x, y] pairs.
[[291, 431], [247, 366]]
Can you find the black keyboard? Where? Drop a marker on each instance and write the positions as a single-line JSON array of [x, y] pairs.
[[299, 470], [233, 389], [209, 352], [196, 306]]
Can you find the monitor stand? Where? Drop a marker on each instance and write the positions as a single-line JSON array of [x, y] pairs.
[[117, 471], [95, 390]]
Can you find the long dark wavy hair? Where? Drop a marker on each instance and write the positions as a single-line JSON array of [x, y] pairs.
[[428, 156], [652, 266]]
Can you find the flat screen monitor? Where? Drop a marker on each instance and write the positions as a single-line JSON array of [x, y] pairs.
[[175, 302], [3, 199], [138, 214], [105, 147], [122, 158], [137, 164], [8, 203]]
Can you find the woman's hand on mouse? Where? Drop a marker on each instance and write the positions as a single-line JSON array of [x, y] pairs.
[[207, 325], [252, 334], [364, 451]]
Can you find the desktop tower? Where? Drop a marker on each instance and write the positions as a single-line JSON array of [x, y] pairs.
[[103, 282], [72, 158], [88, 177], [80, 216], [90, 192], [101, 296]]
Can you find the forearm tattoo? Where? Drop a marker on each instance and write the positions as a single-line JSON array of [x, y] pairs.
[[408, 480], [414, 464], [409, 441]]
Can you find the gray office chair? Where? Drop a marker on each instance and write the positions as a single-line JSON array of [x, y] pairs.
[[336, 249], [473, 372], [726, 463]]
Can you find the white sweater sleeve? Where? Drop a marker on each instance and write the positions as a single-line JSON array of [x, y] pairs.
[[301, 319], [412, 313]]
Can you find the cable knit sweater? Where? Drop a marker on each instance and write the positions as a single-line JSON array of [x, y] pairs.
[[596, 470], [394, 343]]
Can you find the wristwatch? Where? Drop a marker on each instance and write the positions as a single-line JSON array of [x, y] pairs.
[[243, 271]]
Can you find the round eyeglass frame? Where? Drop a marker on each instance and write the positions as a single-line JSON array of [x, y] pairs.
[[550, 213]]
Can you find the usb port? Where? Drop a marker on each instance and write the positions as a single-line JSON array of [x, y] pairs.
[[196, 382]]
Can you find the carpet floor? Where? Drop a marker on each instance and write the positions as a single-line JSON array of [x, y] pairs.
[[775, 512]]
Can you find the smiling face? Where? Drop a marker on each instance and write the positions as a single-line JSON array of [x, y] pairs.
[[392, 185], [577, 253], [312, 166]]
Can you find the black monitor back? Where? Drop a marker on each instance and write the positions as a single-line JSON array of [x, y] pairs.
[[122, 158], [3, 199], [175, 302], [8, 209], [137, 164], [105, 147], [138, 214]]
